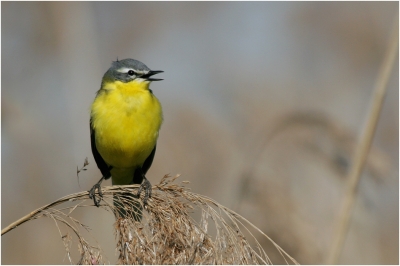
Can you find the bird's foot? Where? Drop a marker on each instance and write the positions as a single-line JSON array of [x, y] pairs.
[[146, 186], [92, 194]]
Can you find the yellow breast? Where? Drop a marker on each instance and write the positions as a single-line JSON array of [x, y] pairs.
[[126, 118]]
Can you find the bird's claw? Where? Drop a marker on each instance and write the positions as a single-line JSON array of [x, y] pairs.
[[146, 186], [92, 194]]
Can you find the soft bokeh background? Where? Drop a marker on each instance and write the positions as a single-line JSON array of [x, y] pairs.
[[263, 104]]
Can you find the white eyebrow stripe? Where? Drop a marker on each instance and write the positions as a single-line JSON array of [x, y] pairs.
[[124, 70]]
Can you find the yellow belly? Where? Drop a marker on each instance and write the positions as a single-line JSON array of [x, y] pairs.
[[126, 119]]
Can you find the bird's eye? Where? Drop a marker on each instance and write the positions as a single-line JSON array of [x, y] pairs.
[[131, 72]]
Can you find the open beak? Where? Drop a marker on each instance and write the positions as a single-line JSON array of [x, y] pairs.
[[151, 73]]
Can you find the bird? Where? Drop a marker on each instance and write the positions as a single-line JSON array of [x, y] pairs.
[[125, 120]]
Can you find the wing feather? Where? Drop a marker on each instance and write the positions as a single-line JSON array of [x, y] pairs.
[[101, 164]]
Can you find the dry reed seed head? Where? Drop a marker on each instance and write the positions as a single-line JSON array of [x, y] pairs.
[[126, 205], [89, 256], [167, 234]]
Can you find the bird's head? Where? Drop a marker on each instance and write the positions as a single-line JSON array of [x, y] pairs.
[[128, 70]]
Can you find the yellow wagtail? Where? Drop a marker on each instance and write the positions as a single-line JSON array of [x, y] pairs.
[[125, 120]]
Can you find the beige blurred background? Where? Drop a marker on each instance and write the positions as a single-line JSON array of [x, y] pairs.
[[263, 104]]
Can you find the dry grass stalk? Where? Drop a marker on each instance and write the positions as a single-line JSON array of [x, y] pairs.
[[167, 234], [364, 145]]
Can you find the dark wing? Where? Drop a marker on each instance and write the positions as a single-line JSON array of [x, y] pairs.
[[101, 164], [149, 161], [140, 172]]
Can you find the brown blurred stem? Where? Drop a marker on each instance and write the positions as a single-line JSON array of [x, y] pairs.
[[363, 147]]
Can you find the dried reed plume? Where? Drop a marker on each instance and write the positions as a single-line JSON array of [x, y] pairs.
[[167, 234]]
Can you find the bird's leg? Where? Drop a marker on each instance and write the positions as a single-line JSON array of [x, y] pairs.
[[92, 192], [146, 186]]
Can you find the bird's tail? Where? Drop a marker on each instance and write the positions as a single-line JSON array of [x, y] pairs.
[[127, 206]]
